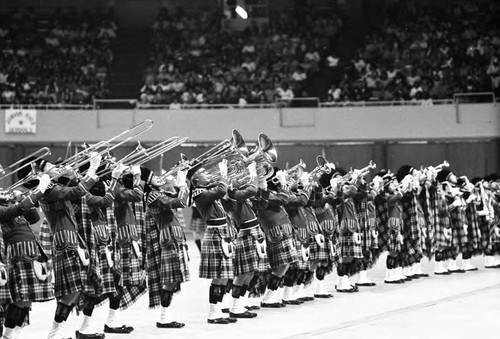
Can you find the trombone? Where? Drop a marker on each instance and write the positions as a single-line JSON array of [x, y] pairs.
[[37, 155]]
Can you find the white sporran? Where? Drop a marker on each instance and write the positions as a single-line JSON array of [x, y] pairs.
[[41, 270]]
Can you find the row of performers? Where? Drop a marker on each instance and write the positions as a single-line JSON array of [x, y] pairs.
[[119, 237]]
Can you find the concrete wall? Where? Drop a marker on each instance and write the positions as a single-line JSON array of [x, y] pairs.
[[320, 125]]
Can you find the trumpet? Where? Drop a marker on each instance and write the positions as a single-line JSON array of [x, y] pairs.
[[426, 171], [365, 170], [293, 174], [35, 156], [319, 170]]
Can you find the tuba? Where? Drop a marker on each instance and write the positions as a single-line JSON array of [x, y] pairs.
[[265, 156]]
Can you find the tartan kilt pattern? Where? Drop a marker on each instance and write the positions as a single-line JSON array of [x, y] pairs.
[[411, 248], [281, 252], [349, 249], [128, 265], [174, 264], [198, 226], [484, 227], [106, 273], [246, 259], [393, 244], [382, 219], [25, 286], [441, 241], [213, 263], [457, 218], [318, 253], [473, 231], [132, 293], [5, 296], [154, 262], [494, 239], [70, 275], [301, 263]]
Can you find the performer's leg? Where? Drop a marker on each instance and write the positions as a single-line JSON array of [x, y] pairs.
[[14, 318], [238, 309], [216, 293], [88, 308], [112, 323], [64, 307], [363, 279], [167, 294], [270, 298]]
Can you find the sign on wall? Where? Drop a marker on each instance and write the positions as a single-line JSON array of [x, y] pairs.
[[20, 121]]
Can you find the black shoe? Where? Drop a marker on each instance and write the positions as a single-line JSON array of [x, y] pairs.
[[218, 321], [246, 314], [173, 324], [231, 319], [79, 335], [252, 307], [327, 295], [423, 275], [270, 305], [225, 310], [394, 281], [293, 302], [364, 284], [442, 273], [121, 329], [457, 271]]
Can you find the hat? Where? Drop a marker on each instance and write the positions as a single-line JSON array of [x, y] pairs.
[[25, 169], [98, 189], [324, 179], [443, 175], [388, 178], [146, 175], [403, 171], [270, 183]]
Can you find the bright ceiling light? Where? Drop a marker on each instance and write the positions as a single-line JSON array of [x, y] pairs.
[[241, 12]]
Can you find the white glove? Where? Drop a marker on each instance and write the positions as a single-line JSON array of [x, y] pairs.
[[223, 168], [334, 182], [466, 229], [44, 182], [135, 170], [400, 238], [471, 198], [118, 171], [432, 173], [280, 175], [181, 178], [304, 179], [252, 169], [378, 183], [263, 184], [95, 161], [456, 203]]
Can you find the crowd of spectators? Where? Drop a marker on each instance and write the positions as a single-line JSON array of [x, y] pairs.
[[425, 52], [56, 57], [196, 61]]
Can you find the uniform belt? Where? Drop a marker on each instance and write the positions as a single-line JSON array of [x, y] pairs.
[[249, 224], [217, 222]]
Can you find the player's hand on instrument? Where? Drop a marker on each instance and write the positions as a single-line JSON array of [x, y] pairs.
[[223, 168], [44, 182]]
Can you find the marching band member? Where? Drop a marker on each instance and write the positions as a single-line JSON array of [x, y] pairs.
[[350, 238], [325, 207], [168, 268], [489, 215], [411, 250], [216, 262], [240, 204], [395, 237], [276, 225], [473, 246], [92, 219], [26, 282], [361, 204], [299, 274], [128, 262], [70, 255], [198, 226]]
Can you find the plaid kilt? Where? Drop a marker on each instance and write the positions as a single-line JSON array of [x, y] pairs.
[[484, 227], [107, 273], [128, 265], [246, 259], [318, 253], [349, 249], [70, 276], [428, 204], [301, 264], [473, 232], [198, 226], [457, 218], [174, 264], [440, 240], [282, 251], [5, 296], [494, 239], [393, 244], [25, 286], [213, 263], [382, 218], [132, 293]]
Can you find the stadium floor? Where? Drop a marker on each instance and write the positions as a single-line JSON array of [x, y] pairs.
[[454, 306]]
